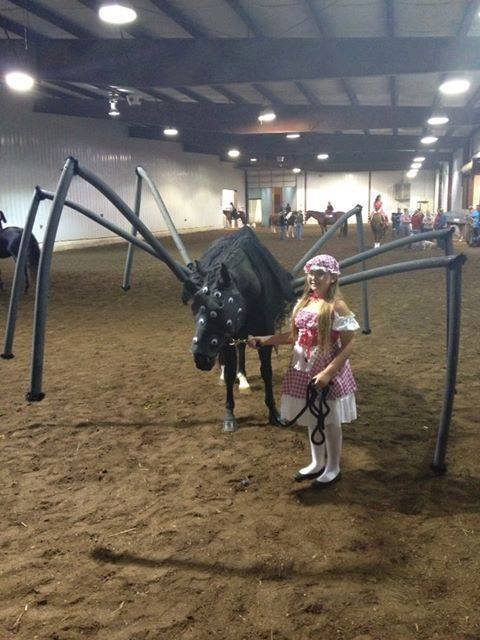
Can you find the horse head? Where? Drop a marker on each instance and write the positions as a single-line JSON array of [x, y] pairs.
[[219, 311]]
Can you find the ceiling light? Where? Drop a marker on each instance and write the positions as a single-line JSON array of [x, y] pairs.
[[419, 159], [233, 153], [428, 140], [170, 131], [292, 136], [19, 81], [412, 173], [437, 120], [455, 86], [322, 156], [296, 170], [267, 115], [416, 165], [253, 159], [113, 111], [116, 13]]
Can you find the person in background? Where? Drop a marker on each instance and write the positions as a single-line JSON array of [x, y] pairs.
[[282, 223], [476, 222], [405, 224], [417, 222], [299, 225], [428, 221], [440, 222], [329, 208], [395, 219]]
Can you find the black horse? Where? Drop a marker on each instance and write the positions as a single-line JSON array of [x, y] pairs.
[[10, 238], [237, 288]]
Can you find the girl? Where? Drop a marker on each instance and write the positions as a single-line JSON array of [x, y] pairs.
[[322, 332]]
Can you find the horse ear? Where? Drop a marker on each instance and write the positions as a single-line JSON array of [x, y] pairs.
[[2, 217], [224, 275]]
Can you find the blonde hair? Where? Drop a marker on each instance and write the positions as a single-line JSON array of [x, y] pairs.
[[325, 315]]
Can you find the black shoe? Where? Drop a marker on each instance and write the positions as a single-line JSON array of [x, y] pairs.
[[300, 477], [324, 485]]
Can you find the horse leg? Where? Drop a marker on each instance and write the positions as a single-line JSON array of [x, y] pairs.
[[1, 282], [221, 362], [243, 385], [265, 355], [230, 359]]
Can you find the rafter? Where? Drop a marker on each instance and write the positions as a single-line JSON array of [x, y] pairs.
[[41, 11], [178, 16], [231, 95], [249, 60], [308, 93], [19, 29], [266, 93], [250, 23]]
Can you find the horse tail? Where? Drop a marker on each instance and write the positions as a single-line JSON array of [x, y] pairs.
[[33, 255]]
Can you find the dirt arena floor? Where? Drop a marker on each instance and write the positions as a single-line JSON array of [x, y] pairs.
[[127, 515]]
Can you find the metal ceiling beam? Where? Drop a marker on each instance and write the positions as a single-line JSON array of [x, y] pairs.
[[180, 18], [250, 23], [194, 95], [308, 93], [232, 96], [172, 62], [267, 94], [19, 29], [242, 118], [41, 11]]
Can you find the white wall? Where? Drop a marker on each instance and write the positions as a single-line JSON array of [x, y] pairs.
[[33, 148], [345, 190], [457, 180]]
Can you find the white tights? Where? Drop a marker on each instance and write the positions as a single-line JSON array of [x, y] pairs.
[[318, 455], [333, 440]]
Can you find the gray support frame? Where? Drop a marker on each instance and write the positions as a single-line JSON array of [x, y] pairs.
[[128, 263], [166, 216], [43, 280], [453, 266], [20, 274]]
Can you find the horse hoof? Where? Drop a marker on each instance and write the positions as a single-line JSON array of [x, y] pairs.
[[244, 390], [229, 425], [7, 356], [275, 420], [127, 288]]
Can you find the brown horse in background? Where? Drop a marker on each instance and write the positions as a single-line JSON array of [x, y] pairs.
[[379, 225], [324, 219], [234, 217]]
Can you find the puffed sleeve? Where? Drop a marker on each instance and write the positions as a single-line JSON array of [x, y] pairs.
[[344, 323]]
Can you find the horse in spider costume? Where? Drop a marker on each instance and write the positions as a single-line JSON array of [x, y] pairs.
[[10, 238], [237, 288]]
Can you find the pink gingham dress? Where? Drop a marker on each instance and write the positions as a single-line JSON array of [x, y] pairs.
[[308, 360]]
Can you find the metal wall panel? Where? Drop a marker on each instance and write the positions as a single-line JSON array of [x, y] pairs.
[[33, 148]]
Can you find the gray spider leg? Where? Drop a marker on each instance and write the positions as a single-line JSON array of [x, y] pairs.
[[20, 274]]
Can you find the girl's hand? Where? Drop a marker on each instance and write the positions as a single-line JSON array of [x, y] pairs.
[[321, 380], [255, 342]]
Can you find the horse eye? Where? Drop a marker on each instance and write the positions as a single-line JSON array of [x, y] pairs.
[[201, 321], [205, 290], [214, 342], [229, 323], [230, 300], [213, 314], [217, 294]]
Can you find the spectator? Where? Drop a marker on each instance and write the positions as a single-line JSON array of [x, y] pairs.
[[299, 225], [395, 217], [417, 222], [428, 221], [405, 224], [282, 223], [440, 222]]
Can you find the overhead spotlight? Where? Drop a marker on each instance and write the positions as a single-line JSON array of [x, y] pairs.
[[428, 140], [170, 131], [412, 173], [416, 165], [267, 115], [116, 13], [233, 153], [19, 81], [322, 156], [454, 87], [253, 159], [419, 159], [437, 120], [113, 111], [292, 136], [296, 170]]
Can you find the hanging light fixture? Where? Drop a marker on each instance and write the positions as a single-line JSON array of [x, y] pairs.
[[416, 165], [454, 86], [170, 132], [429, 140], [435, 121], [292, 136], [117, 13], [412, 173], [233, 153], [253, 159], [419, 159], [19, 81], [113, 110], [322, 156], [267, 115], [296, 170]]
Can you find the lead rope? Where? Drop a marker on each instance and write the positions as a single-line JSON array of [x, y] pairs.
[[320, 412]]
